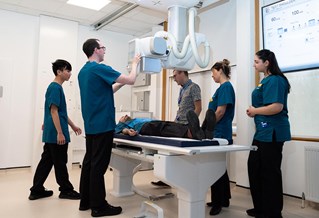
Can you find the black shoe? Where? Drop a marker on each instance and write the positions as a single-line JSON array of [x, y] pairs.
[[72, 195], [215, 210], [160, 183], [84, 207], [209, 124], [107, 210], [38, 195], [224, 204], [193, 125], [251, 212]]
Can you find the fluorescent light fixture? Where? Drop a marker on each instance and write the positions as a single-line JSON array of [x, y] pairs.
[[90, 4]]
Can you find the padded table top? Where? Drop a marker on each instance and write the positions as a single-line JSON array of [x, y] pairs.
[[171, 141]]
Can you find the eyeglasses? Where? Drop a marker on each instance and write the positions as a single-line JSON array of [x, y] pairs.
[[102, 47]]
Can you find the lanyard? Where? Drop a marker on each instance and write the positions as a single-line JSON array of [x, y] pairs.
[[182, 90]]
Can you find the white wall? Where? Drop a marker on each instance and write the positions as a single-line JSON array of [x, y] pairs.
[[220, 32], [57, 40], [19, 45], [27, 50]]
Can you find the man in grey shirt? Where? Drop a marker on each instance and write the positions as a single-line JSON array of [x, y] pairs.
[[189, 99], [189, 96]]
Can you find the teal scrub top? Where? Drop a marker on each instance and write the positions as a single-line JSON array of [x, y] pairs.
[[272, 89], [97, 99], [224, 95], [135, 124], [55, 95]]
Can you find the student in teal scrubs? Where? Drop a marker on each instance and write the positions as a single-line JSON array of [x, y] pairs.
[[223, 103], [97, 84], [270, 113], [56, 138]]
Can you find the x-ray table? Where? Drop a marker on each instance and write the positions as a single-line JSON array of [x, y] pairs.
[[191, 170]]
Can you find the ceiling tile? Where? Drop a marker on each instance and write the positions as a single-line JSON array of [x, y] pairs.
[[136, 22]]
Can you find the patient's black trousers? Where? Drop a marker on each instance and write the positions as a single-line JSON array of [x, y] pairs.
[[164, 128]]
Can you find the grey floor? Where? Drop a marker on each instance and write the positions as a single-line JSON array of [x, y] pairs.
[[15, 184]]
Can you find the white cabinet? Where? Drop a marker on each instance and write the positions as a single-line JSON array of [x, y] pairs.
[[142, 79], [142, 100]]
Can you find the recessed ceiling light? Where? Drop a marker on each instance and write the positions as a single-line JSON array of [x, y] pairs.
[[91, 4]]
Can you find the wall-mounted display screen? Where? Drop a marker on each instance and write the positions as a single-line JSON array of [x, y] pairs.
[[291, 30]]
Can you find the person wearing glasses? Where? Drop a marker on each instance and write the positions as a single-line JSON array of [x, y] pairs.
[[97, 83]]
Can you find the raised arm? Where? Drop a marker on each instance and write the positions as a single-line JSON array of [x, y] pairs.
[[117, 86], [130, 79]]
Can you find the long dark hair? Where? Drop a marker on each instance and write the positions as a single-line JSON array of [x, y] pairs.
[[273, 67]]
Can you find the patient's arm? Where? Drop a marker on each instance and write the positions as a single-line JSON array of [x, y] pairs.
[[130, 132]]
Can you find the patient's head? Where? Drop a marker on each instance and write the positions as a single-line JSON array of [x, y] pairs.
[[125, 118]]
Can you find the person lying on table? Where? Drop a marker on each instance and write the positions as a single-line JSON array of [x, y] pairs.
[[147, 126]]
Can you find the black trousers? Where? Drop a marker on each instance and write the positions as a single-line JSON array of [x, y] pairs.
[[57, 156], [264, 171], [164, 128], [220, 191], [94, 166]]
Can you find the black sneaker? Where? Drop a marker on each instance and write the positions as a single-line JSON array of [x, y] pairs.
[[72, 195], [107, 210], [38, 195], [209, 124], [193, 125]]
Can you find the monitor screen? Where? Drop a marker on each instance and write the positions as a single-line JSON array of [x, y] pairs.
[[291, 30]]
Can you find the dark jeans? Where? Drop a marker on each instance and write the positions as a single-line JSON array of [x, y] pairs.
[[57, 156], [164, 128], [94, 166], [264, 171]]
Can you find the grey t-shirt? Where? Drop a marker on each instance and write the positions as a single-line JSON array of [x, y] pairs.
[[189, 95]]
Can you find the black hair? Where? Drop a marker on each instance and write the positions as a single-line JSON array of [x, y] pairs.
[[60, 64], [224, 65], [273, 67], [89, 46]]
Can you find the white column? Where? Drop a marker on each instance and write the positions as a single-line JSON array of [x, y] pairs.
[[245, 83]]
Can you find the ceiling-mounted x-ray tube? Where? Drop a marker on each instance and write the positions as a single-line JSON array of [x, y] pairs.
[[200, 39], [181, 49]]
